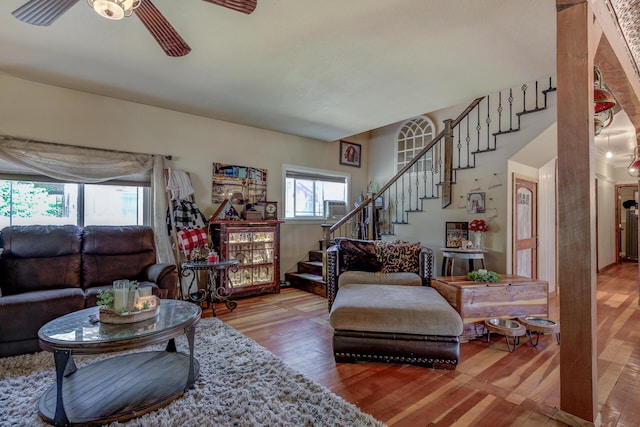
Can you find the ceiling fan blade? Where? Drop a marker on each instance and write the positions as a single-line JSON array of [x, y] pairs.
[[42, 12], [244, 6], [166, 36]]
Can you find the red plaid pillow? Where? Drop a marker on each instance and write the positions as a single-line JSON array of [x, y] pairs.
[[190, 238]]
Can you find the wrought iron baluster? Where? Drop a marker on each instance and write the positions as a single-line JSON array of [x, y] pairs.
[[510, 99], [478, 128], [402, 199], [424, 172], [396, 201], [488, 122], [468, 138], [499, 113], [524, 99]]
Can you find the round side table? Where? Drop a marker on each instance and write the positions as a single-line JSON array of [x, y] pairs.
[[540, 325], [506, 327]]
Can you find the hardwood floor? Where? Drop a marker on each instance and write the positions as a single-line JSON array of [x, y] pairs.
[[490, 387]]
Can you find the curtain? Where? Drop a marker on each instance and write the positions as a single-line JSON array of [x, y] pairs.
[[159, 197], [71, 163], [93, 165]]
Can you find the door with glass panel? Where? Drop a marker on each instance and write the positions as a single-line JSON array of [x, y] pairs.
[[525, 227]]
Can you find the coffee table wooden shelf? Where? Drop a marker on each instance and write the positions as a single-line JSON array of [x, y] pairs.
[[125, 386]]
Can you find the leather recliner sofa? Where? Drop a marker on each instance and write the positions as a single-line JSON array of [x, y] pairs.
[[47, 271]]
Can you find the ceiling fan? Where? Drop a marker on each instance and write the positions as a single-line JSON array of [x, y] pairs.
[[45, 12]]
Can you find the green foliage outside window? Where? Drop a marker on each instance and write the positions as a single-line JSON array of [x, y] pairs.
[[29, 199]]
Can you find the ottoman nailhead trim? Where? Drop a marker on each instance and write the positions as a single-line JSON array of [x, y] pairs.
[[403, 359]]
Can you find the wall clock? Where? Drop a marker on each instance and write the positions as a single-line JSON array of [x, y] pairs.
[[270, 210]]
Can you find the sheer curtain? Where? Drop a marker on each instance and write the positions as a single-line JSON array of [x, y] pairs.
[[93, 165]]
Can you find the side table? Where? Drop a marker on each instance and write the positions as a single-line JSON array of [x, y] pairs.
[[449, 255], [218, 286]]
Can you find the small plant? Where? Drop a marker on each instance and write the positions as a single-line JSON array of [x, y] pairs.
[[105, 298], [482, 275], [145, 306], [123, 310]]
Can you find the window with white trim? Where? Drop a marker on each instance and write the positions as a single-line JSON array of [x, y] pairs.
[[307, 190], [413, 136], [40, 200]]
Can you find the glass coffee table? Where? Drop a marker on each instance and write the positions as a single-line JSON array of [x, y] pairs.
[[124, 386]]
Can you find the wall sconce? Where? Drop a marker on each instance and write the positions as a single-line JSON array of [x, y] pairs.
[[634, 167]]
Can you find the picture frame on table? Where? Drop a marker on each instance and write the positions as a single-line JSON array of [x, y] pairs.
[[456, 233], [350, 153], [475, 203]]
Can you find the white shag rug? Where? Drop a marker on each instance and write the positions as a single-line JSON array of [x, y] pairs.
[[240, 384]]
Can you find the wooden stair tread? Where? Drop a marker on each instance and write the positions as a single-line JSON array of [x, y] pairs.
[[307, 276]]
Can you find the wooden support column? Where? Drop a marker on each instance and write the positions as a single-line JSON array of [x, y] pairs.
[[576, 214]]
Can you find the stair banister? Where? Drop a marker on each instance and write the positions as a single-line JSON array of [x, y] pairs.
[[368, 203]]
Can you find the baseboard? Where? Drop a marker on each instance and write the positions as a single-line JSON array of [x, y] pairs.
[[576, 421]]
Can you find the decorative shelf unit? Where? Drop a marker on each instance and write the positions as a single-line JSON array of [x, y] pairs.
[[256, 247]]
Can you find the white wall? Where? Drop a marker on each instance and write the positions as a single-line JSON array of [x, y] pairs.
[[606, 221], [547, 224], [48, 113]]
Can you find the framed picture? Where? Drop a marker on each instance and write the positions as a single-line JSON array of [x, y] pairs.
[[475, 203], [455, 233], [350, 153], [240, 184]]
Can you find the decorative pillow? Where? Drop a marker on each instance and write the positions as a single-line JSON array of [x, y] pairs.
[[401, 257], [358, 255], [190, 238]]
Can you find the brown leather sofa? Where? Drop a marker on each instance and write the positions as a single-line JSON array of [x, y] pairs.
[[47, 271]]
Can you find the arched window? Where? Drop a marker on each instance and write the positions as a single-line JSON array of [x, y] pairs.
[[413, 136]]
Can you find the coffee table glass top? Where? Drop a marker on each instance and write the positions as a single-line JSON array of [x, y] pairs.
[[80, 327]]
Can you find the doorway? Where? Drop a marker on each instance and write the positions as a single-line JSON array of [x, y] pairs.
[[525, 227], [627, 221]]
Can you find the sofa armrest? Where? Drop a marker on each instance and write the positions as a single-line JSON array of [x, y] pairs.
[[165, 276], [426, 265], [332, 274]]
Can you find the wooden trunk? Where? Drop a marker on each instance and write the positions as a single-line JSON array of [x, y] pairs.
[[512, 297]]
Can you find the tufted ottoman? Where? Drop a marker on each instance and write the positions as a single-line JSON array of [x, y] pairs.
[[395, 323]]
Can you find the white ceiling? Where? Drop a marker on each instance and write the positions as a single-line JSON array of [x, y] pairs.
[[324, 69]]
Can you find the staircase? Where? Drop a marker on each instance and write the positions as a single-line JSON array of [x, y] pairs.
[[309, 274], [474, 132]]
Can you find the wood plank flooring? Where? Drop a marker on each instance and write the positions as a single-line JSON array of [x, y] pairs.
[[490, 387]]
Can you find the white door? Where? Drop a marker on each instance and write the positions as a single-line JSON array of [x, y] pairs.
[[525, 227]]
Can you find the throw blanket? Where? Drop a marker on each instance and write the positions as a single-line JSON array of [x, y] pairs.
[[179, 184]]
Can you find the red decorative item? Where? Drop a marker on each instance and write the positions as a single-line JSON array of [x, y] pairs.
[[634, 167], [479, 225], [190, 238]]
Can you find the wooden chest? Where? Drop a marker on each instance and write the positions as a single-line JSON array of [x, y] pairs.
[[512, 297]]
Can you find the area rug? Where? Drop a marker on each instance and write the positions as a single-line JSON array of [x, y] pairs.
[[240, 384]]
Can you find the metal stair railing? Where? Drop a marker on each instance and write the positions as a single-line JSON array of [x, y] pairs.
[[432, 172]]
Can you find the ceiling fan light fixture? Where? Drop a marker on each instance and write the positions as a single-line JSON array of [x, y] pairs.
[[114, 9]]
